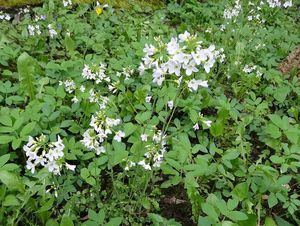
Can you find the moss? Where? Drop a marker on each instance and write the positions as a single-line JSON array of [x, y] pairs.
[[116, 3], [15, 3]]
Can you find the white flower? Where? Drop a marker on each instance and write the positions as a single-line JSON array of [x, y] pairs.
[[149, 50], [174, 67], [141, 69], [129, 165], [200, 56], [190, 68], [173, 46], [170, 104], [144, 165], [196, 126], [194, 84], [222, 27], [30, 166], [158, 76], [70, 167], [119, 135], [184, 37], [52, 32], [144, 137], [74, 100], [82, 88], [67, 3], [207, 123], [288, 4], [100, 150], [182, 58], [148, 99], [70, 85]]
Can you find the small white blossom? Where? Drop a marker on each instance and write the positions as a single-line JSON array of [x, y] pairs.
[[119, 135], [144, 137], [52, 32], [148, 99], [70, 167], [196, 126], [171, 104]]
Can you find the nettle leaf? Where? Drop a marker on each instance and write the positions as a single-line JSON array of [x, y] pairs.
[[27, 69]]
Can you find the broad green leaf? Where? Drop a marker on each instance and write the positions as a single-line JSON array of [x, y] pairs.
[[66, 221], [27, 69], [143, 117], [237, 216], [84, 173], [5, 120], [281, 93], [11, 200], [272, 200], [273, 131], [27, 129], [269, 222], [209, 210], [116, 221], [129, 128], [240, 191], [4, 159], [276, 159], [5, 139]]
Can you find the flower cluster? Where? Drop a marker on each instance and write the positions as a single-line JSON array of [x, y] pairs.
[[4, 16], [154, 156], [51, 30], [34, 30], [67, 3], [203, 120], [127, 72], [234, 11], [69, 84], [95, 72], [181, 57], [249, 69], [254, 13], [278, 3], [49, 155], [102, 127]]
